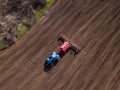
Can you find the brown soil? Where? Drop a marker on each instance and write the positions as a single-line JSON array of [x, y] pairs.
[[94, 25]]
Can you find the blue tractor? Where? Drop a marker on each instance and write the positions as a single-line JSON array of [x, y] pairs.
[[52, 60]]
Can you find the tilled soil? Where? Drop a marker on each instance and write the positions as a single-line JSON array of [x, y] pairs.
[[94, 25]]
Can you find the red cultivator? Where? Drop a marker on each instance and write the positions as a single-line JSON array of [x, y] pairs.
[[68, 44]]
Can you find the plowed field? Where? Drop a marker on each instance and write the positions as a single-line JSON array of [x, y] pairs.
[[94, 25]]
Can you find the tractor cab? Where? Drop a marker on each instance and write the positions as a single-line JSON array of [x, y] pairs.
[[52, 60]]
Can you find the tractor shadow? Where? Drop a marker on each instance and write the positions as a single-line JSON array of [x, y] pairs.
[[48, 68]]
